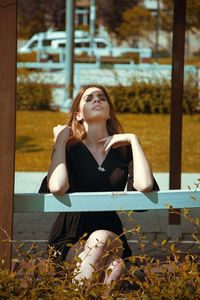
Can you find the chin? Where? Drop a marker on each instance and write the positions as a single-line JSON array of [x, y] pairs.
[[96, 119]]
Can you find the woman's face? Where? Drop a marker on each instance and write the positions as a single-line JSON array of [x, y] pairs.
[[93, 106]]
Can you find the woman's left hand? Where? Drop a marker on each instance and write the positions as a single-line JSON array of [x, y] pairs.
[[117, 140]]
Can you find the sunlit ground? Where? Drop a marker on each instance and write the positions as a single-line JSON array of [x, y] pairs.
[[34, 139]]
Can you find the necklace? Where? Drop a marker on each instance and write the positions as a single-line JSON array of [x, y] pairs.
[[101, 169]]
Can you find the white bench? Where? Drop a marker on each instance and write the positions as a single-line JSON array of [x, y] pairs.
[[106, 201], [110, 201]]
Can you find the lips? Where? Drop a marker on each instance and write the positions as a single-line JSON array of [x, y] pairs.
[[97, 107]]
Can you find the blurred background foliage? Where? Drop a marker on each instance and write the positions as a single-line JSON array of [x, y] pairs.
[[140, 97], [118, 16]]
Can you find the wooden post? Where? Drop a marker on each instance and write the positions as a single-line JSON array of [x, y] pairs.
[[8, 36], [177, 104]]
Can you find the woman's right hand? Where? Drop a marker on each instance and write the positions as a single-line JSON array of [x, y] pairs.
[[61, 133]]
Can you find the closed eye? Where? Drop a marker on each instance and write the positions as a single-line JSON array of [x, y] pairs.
[[102, 98], [89, 98]]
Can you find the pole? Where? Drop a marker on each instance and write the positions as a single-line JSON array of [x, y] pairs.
[[157, 30], [8, 47], [69, 54], [92, 25], [177, 99], [177, 93]]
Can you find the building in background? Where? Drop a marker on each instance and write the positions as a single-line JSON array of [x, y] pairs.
[[82, 14]]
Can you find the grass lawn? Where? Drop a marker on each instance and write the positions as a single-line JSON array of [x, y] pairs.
[[34, 139]]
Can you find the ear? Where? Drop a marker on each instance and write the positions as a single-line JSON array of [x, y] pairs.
[[79, 117]]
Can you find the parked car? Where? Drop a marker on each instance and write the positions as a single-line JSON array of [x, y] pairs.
[[55, 42], [101, 47], [46, 39]]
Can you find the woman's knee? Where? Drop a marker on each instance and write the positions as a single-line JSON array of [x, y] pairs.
[[104, 239]]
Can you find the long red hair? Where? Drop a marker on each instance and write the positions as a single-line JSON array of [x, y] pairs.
[[78, 130]]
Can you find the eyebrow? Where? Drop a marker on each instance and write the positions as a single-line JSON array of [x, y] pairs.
[[100, 94]]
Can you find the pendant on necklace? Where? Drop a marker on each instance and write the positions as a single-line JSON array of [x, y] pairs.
[[101, 169]]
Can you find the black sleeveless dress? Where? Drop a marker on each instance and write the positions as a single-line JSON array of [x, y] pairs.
[[85, 175]]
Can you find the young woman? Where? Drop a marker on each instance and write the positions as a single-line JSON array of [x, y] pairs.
[[92, 154]]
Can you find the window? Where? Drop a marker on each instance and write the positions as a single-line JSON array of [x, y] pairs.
[[101, 45], [61, 45], [46, 43], [82, 44], [78, 45], [33, 44]]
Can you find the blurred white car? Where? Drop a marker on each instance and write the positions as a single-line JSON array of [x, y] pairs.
[[55, 42]]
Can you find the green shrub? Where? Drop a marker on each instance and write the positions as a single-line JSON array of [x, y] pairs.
[[38, 280], [153, 97], [174, 277], [191, 100], [32, 94]]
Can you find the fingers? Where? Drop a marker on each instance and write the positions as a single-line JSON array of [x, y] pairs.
[[112, 141], [113, 144], [103, 140], [107, 146], [106, 142], [61, 131], [115, 141]]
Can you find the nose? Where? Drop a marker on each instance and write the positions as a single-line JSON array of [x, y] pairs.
[[96, 99]]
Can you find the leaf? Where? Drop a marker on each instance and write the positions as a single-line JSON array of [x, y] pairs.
[[132, 259], [108, 272], [172, 248], [130, 213], [185, 211], [164, 242], [16, 260], [142, 246], [146, 286]]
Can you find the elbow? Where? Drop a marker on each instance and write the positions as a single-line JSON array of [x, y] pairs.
[[145, 188], [58, 190]]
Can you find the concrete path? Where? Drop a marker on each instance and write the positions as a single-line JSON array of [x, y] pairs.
[[29, 182]]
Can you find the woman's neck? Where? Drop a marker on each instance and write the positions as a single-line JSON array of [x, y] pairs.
[[95, 132]]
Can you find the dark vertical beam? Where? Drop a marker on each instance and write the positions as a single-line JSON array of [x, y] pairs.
[[8, 27], [177, 98], [177, 92]]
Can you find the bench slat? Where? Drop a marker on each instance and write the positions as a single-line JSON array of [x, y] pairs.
[[105, 201]]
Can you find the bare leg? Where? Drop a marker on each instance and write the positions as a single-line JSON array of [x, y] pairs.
[[100, 245], [74, 251], [115, 270]]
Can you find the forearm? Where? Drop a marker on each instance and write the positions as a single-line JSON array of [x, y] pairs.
[[143, 178], [58, 181]]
